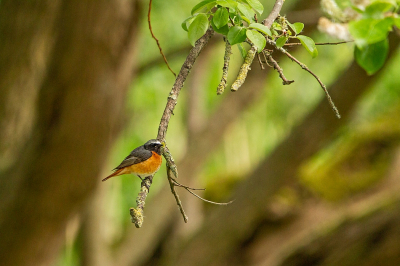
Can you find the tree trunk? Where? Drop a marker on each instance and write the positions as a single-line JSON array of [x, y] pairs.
[[65, 69]]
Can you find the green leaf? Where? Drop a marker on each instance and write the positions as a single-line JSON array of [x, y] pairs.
[[296, 27], [357, 9], [197, 28], [369, 31], [281, 41], [372, 57], [223, 30], [309, 44], [256, 5], [261, 28], [397, 22], [257, 39], [186, 23], [377, 9], [236, 35], [232, 5], [243, 18], [246, 10], [221, 17], [242, 51], [197, 8]]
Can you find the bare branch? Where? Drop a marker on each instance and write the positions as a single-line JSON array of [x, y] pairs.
[[276, 66], [209, 201], [303, 66], [172, 170], [321, 43], [260, 62], [154, 37], [180, 79], [274, 13], [178, 201]]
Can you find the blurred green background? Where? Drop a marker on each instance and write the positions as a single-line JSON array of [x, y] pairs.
[[336, 190]]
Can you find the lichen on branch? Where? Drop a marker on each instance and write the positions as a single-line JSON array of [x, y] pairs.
[[227, 56], [244, 69]]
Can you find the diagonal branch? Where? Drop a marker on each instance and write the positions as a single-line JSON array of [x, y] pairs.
[[180, 79], [274, 13], [137, 214], [303, 66]]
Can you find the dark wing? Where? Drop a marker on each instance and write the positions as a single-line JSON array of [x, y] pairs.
[[138, 155]]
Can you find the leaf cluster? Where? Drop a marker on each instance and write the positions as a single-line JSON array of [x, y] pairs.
[[371, 31], [237, 20]]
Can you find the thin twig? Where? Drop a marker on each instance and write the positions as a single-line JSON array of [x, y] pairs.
[[233, 23], [303, 66], [265, 58], [276, 66], [321, 43], [176, 183], [260, 62], [173, 171], [227, 57], [209, 201], [154, 37], [178, 201]]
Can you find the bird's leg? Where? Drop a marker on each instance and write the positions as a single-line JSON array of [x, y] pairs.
[[144, 183]]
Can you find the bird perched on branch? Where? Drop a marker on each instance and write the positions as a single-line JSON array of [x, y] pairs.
[[143, 161]]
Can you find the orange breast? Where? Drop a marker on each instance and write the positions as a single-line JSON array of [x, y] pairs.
[[148, 167]]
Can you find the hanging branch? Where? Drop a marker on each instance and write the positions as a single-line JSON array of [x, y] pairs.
[[154, 37], [172, 170], [244, 69], [227, 56]]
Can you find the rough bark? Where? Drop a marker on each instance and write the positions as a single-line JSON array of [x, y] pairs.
[[73, 61]]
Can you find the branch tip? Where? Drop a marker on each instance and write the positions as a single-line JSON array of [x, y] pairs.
[[154, 37], [244, 69]]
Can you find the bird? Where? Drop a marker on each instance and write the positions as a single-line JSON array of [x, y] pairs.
[[143, 161]]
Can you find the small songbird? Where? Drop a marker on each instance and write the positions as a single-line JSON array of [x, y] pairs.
[[143, 161]]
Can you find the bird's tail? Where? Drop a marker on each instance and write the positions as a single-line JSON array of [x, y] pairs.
[[118, 172]]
